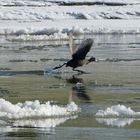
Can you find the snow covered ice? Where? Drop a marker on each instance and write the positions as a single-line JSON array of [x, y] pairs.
[[40, 18]]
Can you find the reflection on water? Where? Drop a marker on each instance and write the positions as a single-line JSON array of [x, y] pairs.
[[119, 122], [26, 75], [12, 73], [41, 123], [78, 88]]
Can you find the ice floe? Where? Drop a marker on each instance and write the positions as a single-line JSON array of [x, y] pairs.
[[117, 111], [35, 109]]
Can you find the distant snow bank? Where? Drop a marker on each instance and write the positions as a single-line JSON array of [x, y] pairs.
[[117, 111], [95, 2], [25, 3], [69, 12], [35, 109]]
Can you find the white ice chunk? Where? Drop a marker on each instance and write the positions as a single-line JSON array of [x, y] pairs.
[[118, 111], [31, 109]]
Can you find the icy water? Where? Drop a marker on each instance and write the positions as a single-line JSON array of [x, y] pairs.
[[112, 82]]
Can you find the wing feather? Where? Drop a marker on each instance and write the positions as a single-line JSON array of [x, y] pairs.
[[83, 49], [71, 43]]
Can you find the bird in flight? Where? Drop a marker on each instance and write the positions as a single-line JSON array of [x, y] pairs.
[[78, 54]]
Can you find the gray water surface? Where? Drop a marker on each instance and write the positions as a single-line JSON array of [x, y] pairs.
[[114, 79]]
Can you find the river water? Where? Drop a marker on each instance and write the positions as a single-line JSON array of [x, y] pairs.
[[113, 81]]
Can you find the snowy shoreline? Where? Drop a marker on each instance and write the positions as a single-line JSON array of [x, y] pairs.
[[47, 30]]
